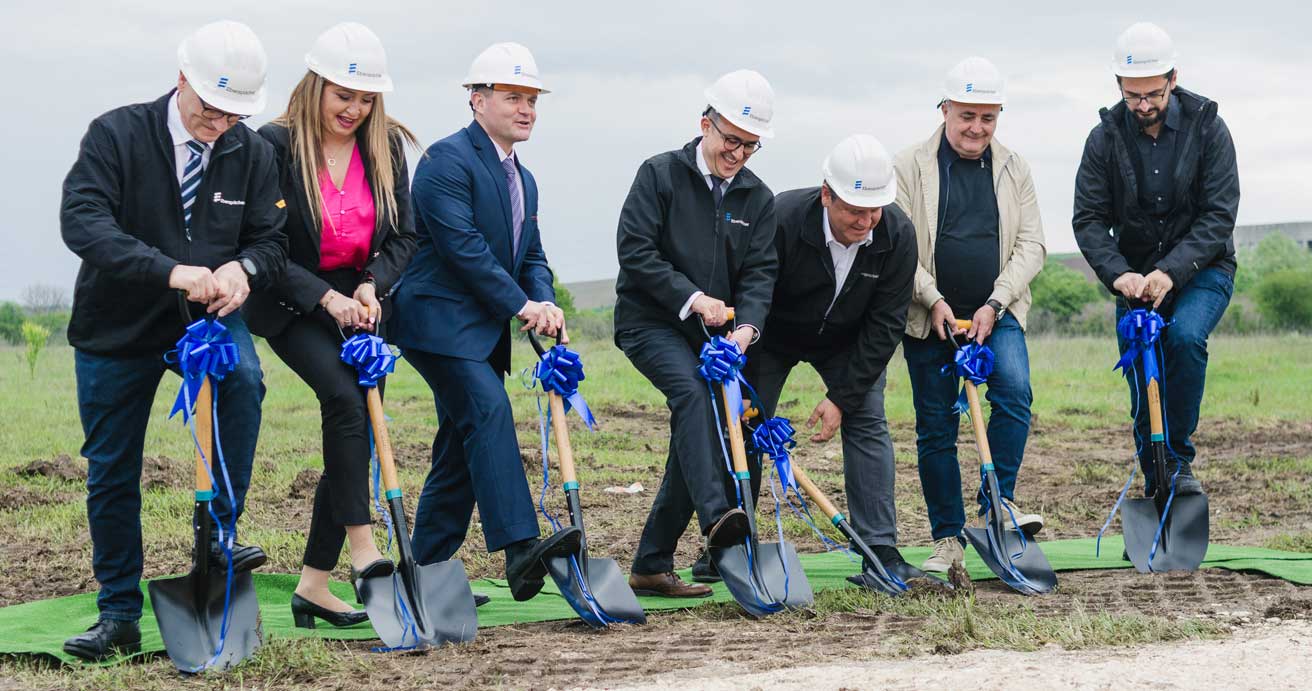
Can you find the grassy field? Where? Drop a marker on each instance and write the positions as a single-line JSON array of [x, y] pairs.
[[1254, 443]]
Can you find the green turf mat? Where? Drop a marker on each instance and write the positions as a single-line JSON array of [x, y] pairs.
[[40, 627]]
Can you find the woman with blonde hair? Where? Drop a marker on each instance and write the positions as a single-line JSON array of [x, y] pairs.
[[350, 232]]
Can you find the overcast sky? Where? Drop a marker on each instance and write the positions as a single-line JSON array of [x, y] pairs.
[[627, 81]]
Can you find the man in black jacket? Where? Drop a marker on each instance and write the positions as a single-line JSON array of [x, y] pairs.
[[175, 211], [695, 236], [1159, 173], [847, 262]]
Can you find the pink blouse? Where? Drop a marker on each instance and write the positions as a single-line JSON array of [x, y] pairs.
[[348, 218]]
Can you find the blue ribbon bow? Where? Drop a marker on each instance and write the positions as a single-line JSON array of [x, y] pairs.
[[1140, 328], [722, 363], [774, 437], [206, 349], [974, 362], [370, 356], [560, 371]]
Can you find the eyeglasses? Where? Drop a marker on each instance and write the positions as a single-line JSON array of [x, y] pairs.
[[1133, 100], [732, 143], [209, 112]]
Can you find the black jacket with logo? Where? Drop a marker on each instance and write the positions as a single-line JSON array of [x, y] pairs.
[[866, 322], [1195, 234], [269, 311], [673, 241], [122, 214]]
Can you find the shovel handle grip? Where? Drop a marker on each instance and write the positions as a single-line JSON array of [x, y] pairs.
[[383, 442], [1154, 408], [737, 449], [560, 430], [977, 422], [728, 313], [205, 435], [814, 492], [964, 324]]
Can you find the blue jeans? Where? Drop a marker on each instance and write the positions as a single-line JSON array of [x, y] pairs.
[[1196, 310], [114, 396], [935, 395]]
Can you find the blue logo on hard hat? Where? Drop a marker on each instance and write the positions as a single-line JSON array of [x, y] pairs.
[[351, 68], [747, 110], [519, 69], [223, 82], [857, 185], [970, 86], [1129, 59]]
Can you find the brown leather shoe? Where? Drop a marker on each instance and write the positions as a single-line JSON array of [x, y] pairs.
[[732, 528], [666, 585]]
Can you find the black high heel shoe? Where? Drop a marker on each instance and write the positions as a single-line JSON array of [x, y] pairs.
[[375, 569], [304, 613]]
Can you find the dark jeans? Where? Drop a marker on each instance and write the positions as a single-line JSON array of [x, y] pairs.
[[311, 346], [934, 395], [1196, 311], [114, 396], [695, 476], [475, 460]]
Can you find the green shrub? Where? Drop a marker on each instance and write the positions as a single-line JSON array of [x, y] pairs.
[[35, 335], [1276, 252], [11, 323], [1284, 298], [1063, 292]]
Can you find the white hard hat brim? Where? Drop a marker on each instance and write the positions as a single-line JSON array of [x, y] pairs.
[[867, 199], [1138, 71], [474, 83], [746, 124], [373, 86], [976, 100], [223, 101]]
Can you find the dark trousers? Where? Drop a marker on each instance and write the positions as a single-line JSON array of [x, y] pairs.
[[695, 474], [868, 465], [475, 460], [311, 346], [1196, 311], [935, 395], [114, 396]]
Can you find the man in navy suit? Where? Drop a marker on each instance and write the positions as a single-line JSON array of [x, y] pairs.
[[480, 263]]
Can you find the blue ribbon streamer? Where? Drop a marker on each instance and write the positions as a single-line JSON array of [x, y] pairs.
[[774, 437], [722, 363], [560, 371], [1141, 329], [973, 362], [206, 349], [371, 357]]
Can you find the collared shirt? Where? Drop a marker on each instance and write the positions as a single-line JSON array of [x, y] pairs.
[[349, 217], [843, 255], [966, 249], [1156, 160], [686, 310], [178, 132]]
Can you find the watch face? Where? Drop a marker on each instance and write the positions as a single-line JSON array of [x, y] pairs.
[[248, 266]]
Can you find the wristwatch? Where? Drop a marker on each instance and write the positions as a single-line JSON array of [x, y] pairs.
[[248, 266], [998, 309]]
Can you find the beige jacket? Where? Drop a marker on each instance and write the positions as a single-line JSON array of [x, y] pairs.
[[1020, 230]]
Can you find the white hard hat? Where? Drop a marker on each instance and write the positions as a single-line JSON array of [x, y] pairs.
[[504, 63], [350, 55], [1143, 50], [744, 98], [226, 65], [860, 171], [975, 80]]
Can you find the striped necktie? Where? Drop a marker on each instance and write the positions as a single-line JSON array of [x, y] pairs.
[[516, 199], [191, 176]]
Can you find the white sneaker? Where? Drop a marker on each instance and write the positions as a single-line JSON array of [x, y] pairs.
[[1029, 523], [946, 551]]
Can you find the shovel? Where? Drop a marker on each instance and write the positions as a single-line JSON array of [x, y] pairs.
[[417, 606], [1014, 558], [764, 578], [208, 619], [595, 588], [1164, 532]]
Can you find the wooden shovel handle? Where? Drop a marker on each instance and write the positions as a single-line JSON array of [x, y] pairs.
[[814, 492], [737, 448], [964, 324], [977, 422], [1154, 408], [560, 430], [205, 435], [728, 313], [382, 441]]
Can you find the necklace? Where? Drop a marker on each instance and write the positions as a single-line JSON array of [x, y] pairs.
[[332, 160]]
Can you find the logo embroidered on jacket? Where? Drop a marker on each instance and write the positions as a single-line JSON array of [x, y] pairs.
[[737, 221], [866, 275], [218, 199]]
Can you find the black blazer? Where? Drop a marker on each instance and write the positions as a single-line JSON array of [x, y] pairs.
[[866, 322], [268, 312]]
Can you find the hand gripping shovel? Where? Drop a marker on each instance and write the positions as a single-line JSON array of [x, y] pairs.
[[764, 578], [417, 606], [1016, 559], [208, 619], [595, 588], [1164, 532]]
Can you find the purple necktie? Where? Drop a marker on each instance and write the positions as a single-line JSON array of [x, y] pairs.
[[516, 199]]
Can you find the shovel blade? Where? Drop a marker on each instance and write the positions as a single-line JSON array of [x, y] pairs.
[[438, 609], [1183, 543], [191, 630], [765, 578], [596, 589], [1015, 559]]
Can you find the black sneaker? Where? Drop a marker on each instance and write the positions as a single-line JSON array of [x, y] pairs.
[[704, 571], [888, 556], [1185, 483], [105, 639], [244, 557], [525, 566]]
